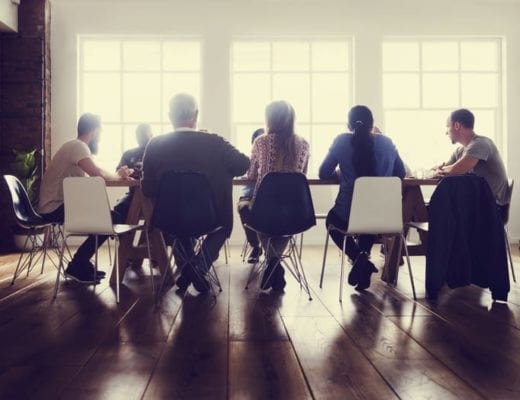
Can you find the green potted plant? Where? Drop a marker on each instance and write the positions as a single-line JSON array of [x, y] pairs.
[[25, 167]]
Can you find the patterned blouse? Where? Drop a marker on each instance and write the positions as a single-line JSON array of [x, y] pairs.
[[265, 155]]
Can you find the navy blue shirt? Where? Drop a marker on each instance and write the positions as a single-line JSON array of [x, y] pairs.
[[388, 163]]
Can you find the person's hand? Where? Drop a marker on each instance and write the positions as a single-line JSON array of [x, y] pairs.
[[125, 173]]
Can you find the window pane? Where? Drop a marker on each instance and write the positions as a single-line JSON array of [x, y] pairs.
[[109, 152], [485, 123], [101, 55], [183, 82], [141, 97], [440, 90], [330, 56], [400, 90], [181, 56], [102, 95], [290, 56], [251, 56], [440, 56], [251, 93], [479, 90], [141, 56], [401, 56], [479, 56], [294, 88], [330, 97]]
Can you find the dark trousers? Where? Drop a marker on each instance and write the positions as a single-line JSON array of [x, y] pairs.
[[362, 243], [88, 247], [244, 211], [184, 250]]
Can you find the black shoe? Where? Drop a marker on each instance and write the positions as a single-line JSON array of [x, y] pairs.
[[80, 274], [254, 256], [183, 281], [269, 275], [357, 267], [200, 283], [279, 280], [100, 274], [365, 274]]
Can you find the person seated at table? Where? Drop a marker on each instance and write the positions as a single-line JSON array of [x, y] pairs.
[[477, 154], [189, 149], [279, 150], [357, 153], [133, 159], [74, 158], [244, 210]]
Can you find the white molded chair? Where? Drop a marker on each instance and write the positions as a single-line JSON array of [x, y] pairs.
[[87, 212], [376, 208]]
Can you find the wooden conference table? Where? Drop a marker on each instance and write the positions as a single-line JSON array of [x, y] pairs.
[[414, 209]]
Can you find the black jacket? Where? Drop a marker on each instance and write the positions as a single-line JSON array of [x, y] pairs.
[[466, 238]]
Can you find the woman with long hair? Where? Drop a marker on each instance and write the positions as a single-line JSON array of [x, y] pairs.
[[358, 153], [278, 150]]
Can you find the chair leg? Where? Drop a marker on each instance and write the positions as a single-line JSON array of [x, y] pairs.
[[60, 266], [18, 270], [46, 237], [342, 271], [402, 240], [150, 260], [226, 251], [324, 257], [166, 271], [109, 252], [243, 254], [116, 266], [508, 248], [301, 247]]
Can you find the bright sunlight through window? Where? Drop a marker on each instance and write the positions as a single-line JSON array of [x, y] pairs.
[[130, 80], [425, 79], [315, 76]]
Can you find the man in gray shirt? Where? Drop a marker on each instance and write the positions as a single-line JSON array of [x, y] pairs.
[[478, 154]]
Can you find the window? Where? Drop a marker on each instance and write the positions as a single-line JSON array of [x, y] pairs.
[[425, 79], [315, 76], [130, 80]]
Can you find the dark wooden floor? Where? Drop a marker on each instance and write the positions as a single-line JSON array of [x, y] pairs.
[[375, 345]]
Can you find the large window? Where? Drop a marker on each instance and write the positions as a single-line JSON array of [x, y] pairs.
[[425, 79], [315, 76], [130, 80]]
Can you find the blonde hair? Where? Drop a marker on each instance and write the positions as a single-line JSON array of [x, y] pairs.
[[279, 116]]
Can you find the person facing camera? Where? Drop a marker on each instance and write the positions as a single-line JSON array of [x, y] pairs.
[[357, 153], [279, 150]]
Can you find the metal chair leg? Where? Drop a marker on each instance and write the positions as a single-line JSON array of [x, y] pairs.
[[324, 257], [508, 248], [341, 279], [402, 240]]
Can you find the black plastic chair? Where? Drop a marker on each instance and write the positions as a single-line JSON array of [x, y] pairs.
[[185, 209], [283, 207], [30, 220]]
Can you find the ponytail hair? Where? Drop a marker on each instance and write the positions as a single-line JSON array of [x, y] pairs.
[[361, 121]]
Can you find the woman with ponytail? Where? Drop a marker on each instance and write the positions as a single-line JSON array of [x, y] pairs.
[[278, 150], [359, 153]]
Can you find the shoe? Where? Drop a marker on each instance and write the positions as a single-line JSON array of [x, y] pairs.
[[357, 267], [364, 278], [254, 256], [279, 280], [183, 281], [200, 283], [269, 275], [100, 274], [80, 274]]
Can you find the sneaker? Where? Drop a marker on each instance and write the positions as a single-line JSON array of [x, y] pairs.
[[364, 279], [254, 256], [269, 275], [100, 274], [80, 274], [357, 267], [183, 281], [200, 283], [279, 280]]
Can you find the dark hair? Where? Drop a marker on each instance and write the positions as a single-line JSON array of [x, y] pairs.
[[464, 117], [258, 132], [279, 117], [361, 121], [87, 123]]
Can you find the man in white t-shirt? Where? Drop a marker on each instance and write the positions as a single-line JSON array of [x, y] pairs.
[[478, 154], [74, 158]]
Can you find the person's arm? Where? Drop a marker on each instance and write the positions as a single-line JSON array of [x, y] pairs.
[[91, 169], [461, 166], [236, 162], [399, 168], [328, 165]]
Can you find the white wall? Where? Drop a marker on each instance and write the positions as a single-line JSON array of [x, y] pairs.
[[8, 16], [219, 20]]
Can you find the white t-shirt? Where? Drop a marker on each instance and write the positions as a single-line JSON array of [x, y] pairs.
[[63, 164]]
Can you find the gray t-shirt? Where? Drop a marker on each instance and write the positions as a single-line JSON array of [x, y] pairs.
[[490, 165], [63, 164]]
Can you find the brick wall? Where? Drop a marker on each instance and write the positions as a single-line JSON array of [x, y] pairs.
[[24, 95]]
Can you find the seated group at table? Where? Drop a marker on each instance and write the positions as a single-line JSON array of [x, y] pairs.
[[362, 151]]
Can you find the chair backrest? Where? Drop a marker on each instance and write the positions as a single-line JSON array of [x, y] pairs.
[[23, 210], [87, 209], [283, 205], [376, 205], [185, 205], [505, 216]]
